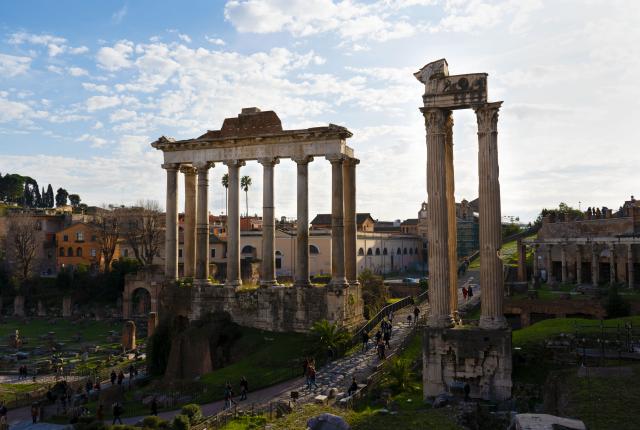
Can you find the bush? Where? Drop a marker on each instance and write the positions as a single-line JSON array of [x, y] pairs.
[[374, 293], [193, 411], [399, 374], [181, 422], [615, 305], [152, 422]]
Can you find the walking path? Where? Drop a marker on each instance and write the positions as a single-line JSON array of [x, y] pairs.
[[336, 374]]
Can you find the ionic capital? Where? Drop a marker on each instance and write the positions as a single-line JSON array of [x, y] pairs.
[[171, 166], [303, 159], [335, 158], [234, 163], [487, 117], [435, 120], [203, 166], [269, 161]]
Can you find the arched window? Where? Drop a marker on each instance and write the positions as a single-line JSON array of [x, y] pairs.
[[70, 252], [278, 254], [384, 251], [313, 249], [78, 252], [405, 251], [248, 249], [377, 251], [399, 251], [61, 252], [369, 251], [360, 251]]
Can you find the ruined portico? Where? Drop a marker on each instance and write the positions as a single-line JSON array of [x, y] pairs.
[[480, 357], [258, 136]]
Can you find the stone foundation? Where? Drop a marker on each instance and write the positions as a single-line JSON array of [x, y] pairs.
[[478, 357]]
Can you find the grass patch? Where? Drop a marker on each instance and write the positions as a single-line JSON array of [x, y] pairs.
[[92, 331], [393, 300]]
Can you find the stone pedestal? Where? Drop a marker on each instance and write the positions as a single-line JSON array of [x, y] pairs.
[[478, 357], [152, 323], [42, 312], [129, 336], [18, 306], [66, 307]]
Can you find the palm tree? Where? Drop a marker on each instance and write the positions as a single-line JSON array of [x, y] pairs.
[[330, 336], [245, 183], [400, 374], [225, 184]]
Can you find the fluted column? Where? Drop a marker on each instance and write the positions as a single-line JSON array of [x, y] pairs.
[[612, 265], [437, 218], [491, 276], [171, 228], [535, 261], [630, 269], [268, 270], [452, 241], [549, 265], [563, 261], [578, 264], [233, 221], [595, 265], [189, 225], [202, 223], [350, 222], [338, 278], [302, 238]]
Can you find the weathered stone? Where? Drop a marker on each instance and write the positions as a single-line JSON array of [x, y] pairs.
[[129, 336], [18, 306], [545, 422], [328, 422], [152, 323], [66, 307]]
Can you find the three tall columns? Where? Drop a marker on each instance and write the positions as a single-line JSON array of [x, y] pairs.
[[491, 275]]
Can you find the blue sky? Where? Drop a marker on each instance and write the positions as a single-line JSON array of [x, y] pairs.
[[85, 86]]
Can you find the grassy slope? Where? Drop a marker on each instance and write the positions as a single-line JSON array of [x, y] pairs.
[[92, 331]]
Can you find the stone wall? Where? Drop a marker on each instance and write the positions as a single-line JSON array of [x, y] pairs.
[[560, 308], [587, 228]]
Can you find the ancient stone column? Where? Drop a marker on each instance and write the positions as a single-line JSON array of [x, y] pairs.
[[302, 237], [437, 218], [152, 323], [189, 225], [452, 242], [67, 306], [129, 336], [563, 260], [522, 254], [549, 266], [202, 223], [338, 278], [612, 265], [233, 221], [491, 281], [630, 269], [578, 264], [595, 269], [268, 269], [18, 306], [535, 261], [171, 230], [350, 222]]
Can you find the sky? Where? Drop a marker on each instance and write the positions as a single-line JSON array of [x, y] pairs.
[[86, 86]]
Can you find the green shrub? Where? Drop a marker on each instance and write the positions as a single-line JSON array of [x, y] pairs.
[[153, 422], [399, 374], [181, 422], [193, 411], [615, 304]]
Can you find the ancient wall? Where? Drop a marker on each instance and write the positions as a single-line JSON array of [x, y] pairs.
[[587, 228]]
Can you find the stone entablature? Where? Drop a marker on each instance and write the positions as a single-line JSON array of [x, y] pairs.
[[587, 228]]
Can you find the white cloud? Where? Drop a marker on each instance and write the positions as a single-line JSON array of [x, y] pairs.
[[79, 50], [11, 65], [121, 115], [95, 103], [18, 111], [215, 41], [116, 57], [96, 142], [89, 86], [77, 71], [56, 45], [55, 69], [185, 38], [118, 16]]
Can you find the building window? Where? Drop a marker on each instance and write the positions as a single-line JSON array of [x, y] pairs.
[[94, 238], [399, 251], [410, 251], [213, 253], [405, 251], [79, 252], [93, 252], [61, 252], [360, 251], [65, 238], [248, 249], [369, 251], [377, 251], [384, 251], [180, 253], [79, 236], [70, 252], [313, 249], [126, 253]]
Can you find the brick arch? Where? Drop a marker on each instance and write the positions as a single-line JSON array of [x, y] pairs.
[[135, 282]]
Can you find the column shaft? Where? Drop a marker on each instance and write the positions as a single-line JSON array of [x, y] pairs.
[[630, 268], [233, 221], [612, 265], [595, 265], [452, 241], [549, 266], [202, 223], [189, 224], [268, 270], [563, 259], [491, 276], [302, 238], [171, 228], [535, 261], [578, 264], [338, 278], [350, 222], [437, 219]]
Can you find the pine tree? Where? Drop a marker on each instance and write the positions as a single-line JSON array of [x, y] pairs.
[[61, 197], [74, 199], [43, 199], [50, 198]]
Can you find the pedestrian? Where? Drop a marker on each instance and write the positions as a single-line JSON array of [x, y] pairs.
[[464, 293], [416, 313], [100, 412], [409, 318], [353, 387], [34, 412], [132, 371], [120, 377], [228, 396], [381, 354], [88, 386], [117, 413], [97, 386], [365, 340], [378, 336], [470, 291], [244, 388], [312, 377], [390, 317], [305, 366], [387, 338], [154, 407], [113, 377]]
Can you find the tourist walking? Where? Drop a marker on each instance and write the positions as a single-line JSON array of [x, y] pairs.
[[464, 293], [305, 366], [120, 377], [154, 407], [100, 413], [116, 410], [365, 340], [387, 338], [416, 314], [470, 291], [381, 348], [113, 377], [228, 396], [34, 413], [312, 377], [378, 336], [353, 387], [244, 388]]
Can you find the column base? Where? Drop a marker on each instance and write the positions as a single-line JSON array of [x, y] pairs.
[[339, 283], [301, 284], [440, 322], [355, 283], [201, 282], [480, 358], [269, 283], [493, 323], [233, 283]]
